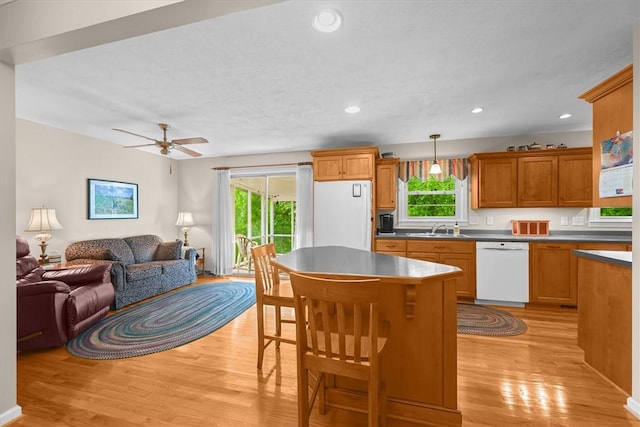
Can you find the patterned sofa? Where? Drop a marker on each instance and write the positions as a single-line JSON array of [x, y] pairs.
[[141, 266]]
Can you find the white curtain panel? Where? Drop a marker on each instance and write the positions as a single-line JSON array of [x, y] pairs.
[[304, 212], [222, 225]]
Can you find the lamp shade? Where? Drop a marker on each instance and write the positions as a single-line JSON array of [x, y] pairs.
[[435, 169], [185, 219], [43, 220]]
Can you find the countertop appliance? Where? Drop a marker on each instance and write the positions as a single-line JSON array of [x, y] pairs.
[[502, 273], [386, 223], [342, 214]]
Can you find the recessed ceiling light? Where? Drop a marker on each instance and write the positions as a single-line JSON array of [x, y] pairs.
[[327, 20], [477, 110], [564, 116], [353, 109]]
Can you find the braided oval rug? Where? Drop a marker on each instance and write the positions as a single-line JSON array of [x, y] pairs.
[[165, 322], [481, 320]]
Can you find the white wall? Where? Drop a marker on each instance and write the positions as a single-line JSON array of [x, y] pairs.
[[52, 167]]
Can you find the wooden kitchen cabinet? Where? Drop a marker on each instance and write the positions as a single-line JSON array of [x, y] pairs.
[[612, 103], [494, 182], [461, 254], [604, 246], [553, 270], [541, 178], [344, 164], [391, 246], [386, 183], [605, 319], [537, 181], [575, 183], [553, 273]]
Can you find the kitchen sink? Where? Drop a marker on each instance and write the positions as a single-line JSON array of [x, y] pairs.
[[440, 235]]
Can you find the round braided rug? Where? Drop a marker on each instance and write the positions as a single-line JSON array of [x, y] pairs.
[[165, 322], [481, 320]]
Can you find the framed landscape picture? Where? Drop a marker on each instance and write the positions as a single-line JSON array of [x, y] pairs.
[[112, 199]]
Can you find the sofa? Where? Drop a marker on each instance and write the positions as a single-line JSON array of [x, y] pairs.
[[141, 266], [55, 306]]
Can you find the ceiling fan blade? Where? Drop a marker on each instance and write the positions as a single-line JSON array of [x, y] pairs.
[[134, 134], [189, 141], [138, 146], [187, 151]]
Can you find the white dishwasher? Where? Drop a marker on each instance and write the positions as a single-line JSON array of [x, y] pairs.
[[502, 273]]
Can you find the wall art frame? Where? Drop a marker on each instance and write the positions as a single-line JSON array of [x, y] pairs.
[[111, 199]]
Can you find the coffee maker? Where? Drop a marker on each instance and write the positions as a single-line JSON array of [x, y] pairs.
[[386, 223]]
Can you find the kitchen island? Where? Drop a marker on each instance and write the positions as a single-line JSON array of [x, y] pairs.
[[604, 313], [419, 302]]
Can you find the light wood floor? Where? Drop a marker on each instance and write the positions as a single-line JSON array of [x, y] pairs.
[[535, 379]]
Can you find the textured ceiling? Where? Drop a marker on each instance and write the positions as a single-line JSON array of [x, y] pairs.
[[263, 80]]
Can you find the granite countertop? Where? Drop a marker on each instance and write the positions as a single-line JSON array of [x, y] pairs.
[[490, 235], [622, 258]]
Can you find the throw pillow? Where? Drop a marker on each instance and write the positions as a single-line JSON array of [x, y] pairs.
[[169, 250], [104, 254]]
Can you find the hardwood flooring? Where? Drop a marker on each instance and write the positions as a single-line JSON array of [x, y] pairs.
[[535, 379]]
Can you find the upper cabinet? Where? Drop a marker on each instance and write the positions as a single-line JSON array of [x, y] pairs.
[[494, 181], [537, 181], [344, 164], [575, 183], [612, 102], [386, 181], [545, 178]]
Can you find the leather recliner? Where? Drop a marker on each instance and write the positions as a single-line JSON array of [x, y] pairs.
[[55, 306]]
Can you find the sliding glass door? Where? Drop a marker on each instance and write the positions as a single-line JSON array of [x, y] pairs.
[[265, 210]]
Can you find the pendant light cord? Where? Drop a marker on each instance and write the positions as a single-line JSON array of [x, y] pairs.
[[435, 137]]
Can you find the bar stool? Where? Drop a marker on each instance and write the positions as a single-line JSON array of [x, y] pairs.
[[341, 336]]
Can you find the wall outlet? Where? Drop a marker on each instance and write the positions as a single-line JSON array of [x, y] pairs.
[[578, 220], [564, 220], [474, 220], [489, 220]]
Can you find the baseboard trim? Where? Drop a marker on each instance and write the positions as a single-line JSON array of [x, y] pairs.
[[633, 406], [10, 415]]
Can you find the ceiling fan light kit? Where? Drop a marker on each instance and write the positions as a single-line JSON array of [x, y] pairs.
[[165, 145]]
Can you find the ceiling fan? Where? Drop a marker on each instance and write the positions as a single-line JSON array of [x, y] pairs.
[[165, 145]]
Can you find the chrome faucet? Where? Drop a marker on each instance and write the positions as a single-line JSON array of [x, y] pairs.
[[437, 227]]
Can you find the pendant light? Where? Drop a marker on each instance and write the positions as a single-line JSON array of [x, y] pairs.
[[435, 167]]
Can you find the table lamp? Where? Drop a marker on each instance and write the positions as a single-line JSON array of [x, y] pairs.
[[43, 220], [185, 220]]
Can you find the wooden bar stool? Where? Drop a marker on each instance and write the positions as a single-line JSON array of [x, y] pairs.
[[340, 337], [270, 292]]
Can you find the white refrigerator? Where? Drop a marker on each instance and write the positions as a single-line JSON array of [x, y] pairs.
[[342, 214]]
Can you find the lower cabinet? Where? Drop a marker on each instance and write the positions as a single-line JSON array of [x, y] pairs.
[[553, 271], [461, 254], [391, 247], [553, 268]]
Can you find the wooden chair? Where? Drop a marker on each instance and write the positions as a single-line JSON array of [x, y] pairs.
[[242, 258], [340, 337], [270, 292]]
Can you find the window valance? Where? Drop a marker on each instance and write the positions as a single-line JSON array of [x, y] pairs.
[[420, 169]]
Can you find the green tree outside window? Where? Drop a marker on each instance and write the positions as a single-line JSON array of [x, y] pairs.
[[616, 212], [431, 198]]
